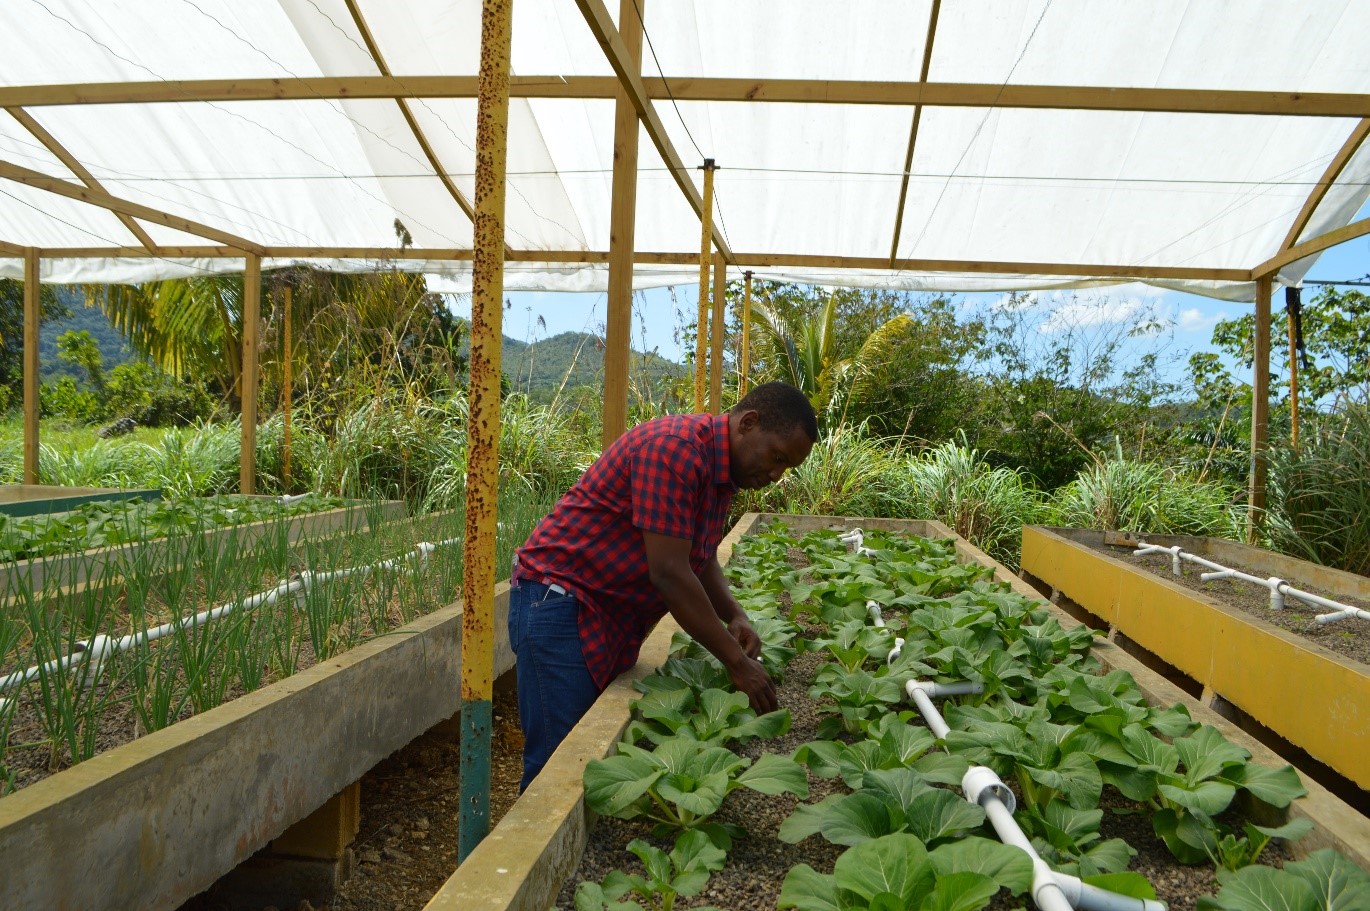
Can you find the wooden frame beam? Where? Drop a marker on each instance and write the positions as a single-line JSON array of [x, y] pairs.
[[792, 91], [1312, 245], [913, 131], [104, 200], [38, 132], [1260, 412], [742, 260], [1329, 177], [611, 42], [33, 319], [249, 375], [618, 325]]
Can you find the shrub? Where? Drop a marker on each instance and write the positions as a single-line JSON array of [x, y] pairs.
[[67, 400], [1320, 496], [140, 391]]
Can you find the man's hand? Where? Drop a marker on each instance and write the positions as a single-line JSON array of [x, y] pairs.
[[751, 678], [688, 599], [746, 636]]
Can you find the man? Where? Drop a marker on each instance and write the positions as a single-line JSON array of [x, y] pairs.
[[638, 536]]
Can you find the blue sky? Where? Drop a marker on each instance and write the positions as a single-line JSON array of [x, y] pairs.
[[659, 312]]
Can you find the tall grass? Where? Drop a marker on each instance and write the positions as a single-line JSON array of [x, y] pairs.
[[847, 473], [987, 506], [1320, 495], [1126, 495]]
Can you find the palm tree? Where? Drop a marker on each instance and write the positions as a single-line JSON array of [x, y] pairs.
[[187, 326], [801, 351]]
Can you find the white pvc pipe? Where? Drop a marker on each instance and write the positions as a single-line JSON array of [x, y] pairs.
[[1279, 589], [1051, 891], [922, 691]]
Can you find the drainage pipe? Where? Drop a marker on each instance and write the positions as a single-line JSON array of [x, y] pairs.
[[857, 539], [1279, 589], [1051, 891]]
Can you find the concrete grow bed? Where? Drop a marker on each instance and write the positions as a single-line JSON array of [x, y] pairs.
[[152, 823], [1314, 698], [524, 861], [39, 499], [92, 567]]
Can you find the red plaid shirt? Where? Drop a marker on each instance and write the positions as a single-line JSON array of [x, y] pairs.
[[670, 476]]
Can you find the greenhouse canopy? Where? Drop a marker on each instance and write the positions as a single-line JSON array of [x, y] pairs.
[[914, 144]]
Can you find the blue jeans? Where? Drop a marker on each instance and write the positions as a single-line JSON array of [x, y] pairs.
[[555, 688]]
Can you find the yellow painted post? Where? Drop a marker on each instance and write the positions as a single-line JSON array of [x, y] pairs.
[[1291, 296], [705, 250], [744, 358], [287, 388], [1260, 410], [32, 319], [622, 215], [252, 314], [716, 330], [483, 427]]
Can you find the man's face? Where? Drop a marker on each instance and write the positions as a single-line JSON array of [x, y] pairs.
[[760, 457]]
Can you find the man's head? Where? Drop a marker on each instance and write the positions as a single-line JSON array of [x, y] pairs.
[[771, 429]]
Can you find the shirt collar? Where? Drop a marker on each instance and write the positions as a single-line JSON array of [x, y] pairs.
[[723, 460]]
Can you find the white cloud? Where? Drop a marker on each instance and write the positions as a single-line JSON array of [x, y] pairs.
[[1192, 319], [1079, 313]]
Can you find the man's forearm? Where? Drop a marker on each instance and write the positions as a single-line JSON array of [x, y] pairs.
[[693, 607], [720, 593]]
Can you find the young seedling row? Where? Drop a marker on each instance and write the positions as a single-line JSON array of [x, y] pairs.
[[197, 625], [1071, 742]]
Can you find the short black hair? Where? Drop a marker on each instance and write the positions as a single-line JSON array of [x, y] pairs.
[[780, 408]]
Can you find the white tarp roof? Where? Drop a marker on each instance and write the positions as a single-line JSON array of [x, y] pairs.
[[988, 183]]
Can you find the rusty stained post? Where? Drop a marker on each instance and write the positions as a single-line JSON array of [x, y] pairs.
[[1291, 296], [33, 318], [706, 224], [249, 376], [483, 428], [716, 331], [622, 217], [287, 384], [744, 357], [1260, 411]]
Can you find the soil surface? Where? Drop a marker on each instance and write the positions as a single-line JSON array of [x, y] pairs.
[[1349, 638]]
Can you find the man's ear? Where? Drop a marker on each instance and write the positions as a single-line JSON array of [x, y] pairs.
[[748, 420]]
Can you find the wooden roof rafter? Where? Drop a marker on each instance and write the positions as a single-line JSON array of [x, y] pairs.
[[373, 48], [27, 121], [1329, 177], [115, 204], [611, 42], [913, 131]]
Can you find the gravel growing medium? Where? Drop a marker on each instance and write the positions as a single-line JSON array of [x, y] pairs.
[[1349, 638]]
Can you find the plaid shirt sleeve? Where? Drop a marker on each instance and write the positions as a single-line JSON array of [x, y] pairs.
[[667, 477]]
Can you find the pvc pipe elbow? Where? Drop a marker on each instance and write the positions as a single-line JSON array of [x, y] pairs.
[[895, 652], [980, 784]]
